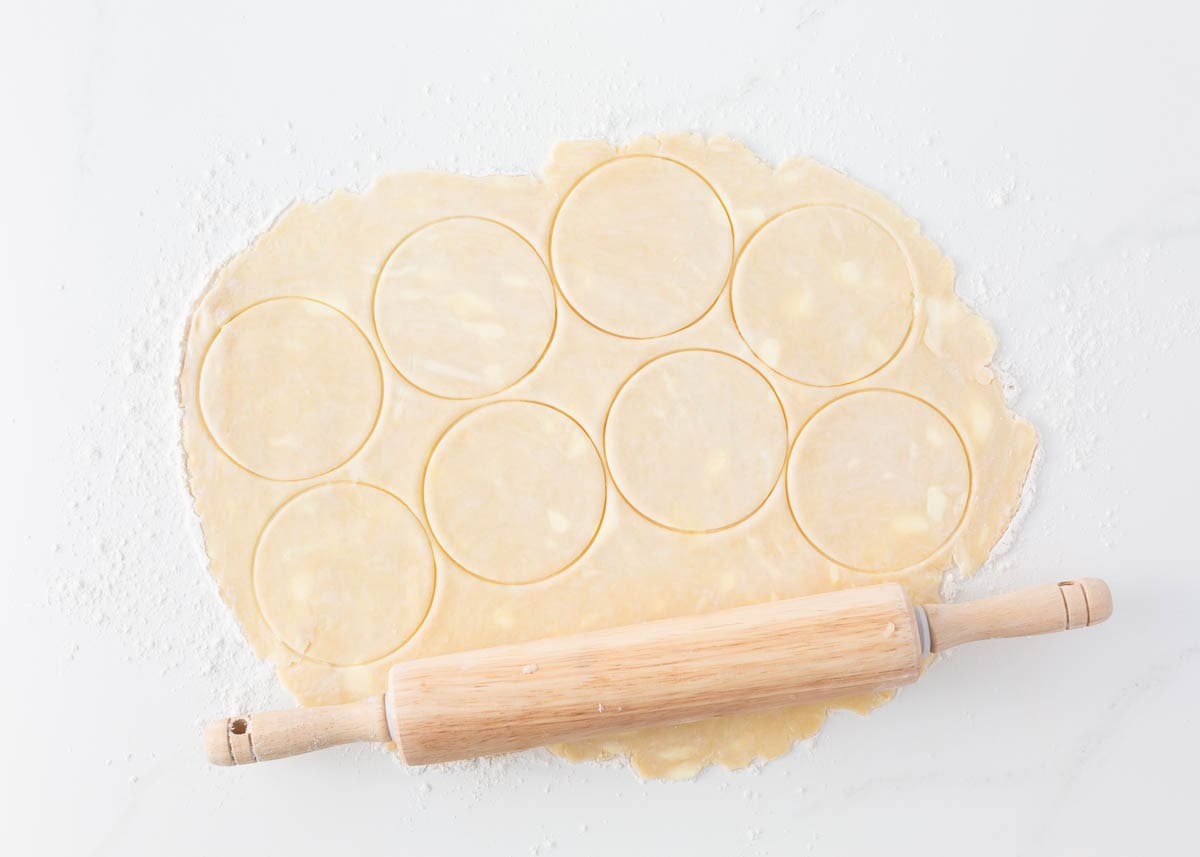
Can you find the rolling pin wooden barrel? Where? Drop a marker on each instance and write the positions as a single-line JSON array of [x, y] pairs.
[[780, 653]]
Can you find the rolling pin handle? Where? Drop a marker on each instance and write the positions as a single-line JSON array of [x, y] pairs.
[[244, 740], [1036, 610]]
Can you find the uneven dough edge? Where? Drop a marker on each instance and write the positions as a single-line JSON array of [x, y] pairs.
[[947, 351]]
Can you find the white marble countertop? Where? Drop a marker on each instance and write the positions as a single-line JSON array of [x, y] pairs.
[[1050, 149]]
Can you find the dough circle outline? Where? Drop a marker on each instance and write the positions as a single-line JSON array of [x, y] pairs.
[[567, 196], [966, 459], [258, 600], [908, 266], [779, 473], [478, 575], [200, 389], [549, 280]]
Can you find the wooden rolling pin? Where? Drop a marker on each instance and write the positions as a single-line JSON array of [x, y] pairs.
[[765, 656]]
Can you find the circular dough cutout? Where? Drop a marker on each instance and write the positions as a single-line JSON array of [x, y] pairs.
[[822, 294], [515, 492], [641, 247], [290, 388], [464, 308], [344, 573], [696, 440], [878, 480]]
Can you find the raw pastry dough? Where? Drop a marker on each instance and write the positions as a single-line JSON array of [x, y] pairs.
[[452, 412], [714, 431]]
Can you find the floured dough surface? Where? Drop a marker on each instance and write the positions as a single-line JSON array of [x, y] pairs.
[[452, 412]]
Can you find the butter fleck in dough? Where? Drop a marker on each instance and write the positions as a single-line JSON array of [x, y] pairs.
[[452, 412]]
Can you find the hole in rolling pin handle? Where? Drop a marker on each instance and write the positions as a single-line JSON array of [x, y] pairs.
[[238, 726]]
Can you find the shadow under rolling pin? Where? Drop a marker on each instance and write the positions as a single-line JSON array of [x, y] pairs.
[[781, 653]]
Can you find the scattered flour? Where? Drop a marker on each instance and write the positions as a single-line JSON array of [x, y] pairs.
[[140, 571], [133, 566]]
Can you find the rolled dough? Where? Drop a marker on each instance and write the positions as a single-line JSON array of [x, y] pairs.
[[452, 412]]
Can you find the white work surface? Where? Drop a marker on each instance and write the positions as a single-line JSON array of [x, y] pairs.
[[1051, 149]]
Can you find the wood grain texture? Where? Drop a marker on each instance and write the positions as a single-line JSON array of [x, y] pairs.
[[671, 671], [770, 655]]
